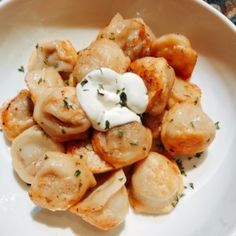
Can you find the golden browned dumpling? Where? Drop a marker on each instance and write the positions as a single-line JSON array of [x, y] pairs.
[[28, 151], [123, 145], [84, 150], [177, 50], [184, 91], [39, 80], [132, 35], [60, 115], [186, 130], [101, 53], [107, 205], [59, 54], [159, 78], [61, 182], [17, 115], [156, 185]]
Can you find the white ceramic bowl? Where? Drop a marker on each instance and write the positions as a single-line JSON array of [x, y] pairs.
[[209, 209]]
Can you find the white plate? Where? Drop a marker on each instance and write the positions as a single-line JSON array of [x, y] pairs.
[[209, 209]]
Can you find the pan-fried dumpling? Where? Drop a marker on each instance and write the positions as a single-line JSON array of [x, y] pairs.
[[153, 123], [60, 115], [61, 182], [39, 80], [156, 185], [101, 53], [84, 150], [159, 78], [59, 54], [177, 50], [17, 115], [132, 35], [123, 145], [186, 130], [184, 91], [107, 205], [28, 151]]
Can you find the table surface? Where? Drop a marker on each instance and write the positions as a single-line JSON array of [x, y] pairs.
[[227, 7]]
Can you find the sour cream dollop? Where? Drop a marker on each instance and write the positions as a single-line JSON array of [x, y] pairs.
[[110, 99]]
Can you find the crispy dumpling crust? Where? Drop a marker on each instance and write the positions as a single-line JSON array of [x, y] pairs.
[[17, 115], [159, 78], [28, 151], [60, 115], [107, 205], [156, 183], [123, 145], [61, 182], [186, 130]]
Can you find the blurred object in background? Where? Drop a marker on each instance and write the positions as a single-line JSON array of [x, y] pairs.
[[227, 7]]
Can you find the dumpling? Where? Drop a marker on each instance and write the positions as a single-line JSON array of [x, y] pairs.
[[159, 78], [186, 130], [153, 123], [123, 145], [177, 50], [156, 185], [84, 150], [39, 80], [28, 151], [17, 115], [183, 91], [59, 54], [101, 53], [60, 115], [107, 205], [132, 35], [61, 182]]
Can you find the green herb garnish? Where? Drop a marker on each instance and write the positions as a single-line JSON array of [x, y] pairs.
[[83, 82], [196, 101], [181, 167], [67, 104], [120, 134], [191, 185], [123, 99], [107, 124], [77, 173], [217, 125], [21, 69], [40, 81], [133, 143], [198, 154], [63, 131], [100, 93]]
